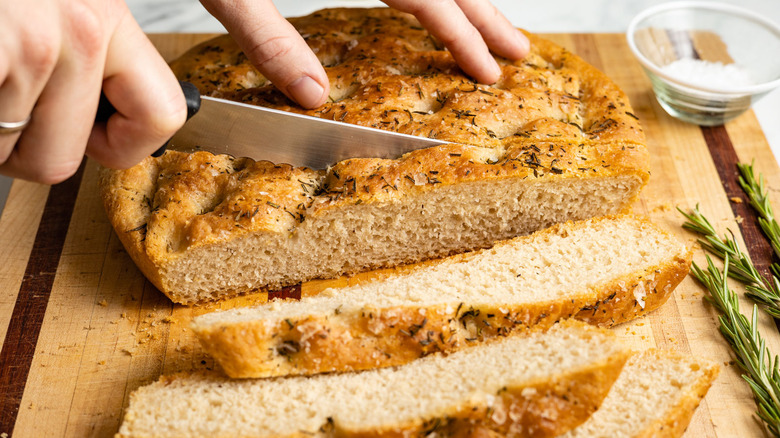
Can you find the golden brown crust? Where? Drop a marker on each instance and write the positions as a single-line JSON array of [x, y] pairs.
[[677, 417], [380, 338], [374, 338], [545, 409], [126, 199], [655, 397], [381, 63], [654, 286], [165, 205], [551, 117]]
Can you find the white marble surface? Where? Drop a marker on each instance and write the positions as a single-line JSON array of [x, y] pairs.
[[536, 16]]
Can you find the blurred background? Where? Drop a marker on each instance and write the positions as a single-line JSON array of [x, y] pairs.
[[534, 15], [537, 16]]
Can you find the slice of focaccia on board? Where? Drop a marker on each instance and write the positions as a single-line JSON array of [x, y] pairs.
[[604, 271], [655, 396]]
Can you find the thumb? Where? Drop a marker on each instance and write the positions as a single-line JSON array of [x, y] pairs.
[[274, 47]]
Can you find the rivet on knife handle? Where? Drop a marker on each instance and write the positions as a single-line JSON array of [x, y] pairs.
[[191, 95]]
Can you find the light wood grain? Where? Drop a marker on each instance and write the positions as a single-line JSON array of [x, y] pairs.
[[18, 226], [107, 331]]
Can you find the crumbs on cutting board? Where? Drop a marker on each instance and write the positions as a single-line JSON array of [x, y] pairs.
[[662, 208], [148, 329], [630, 331], [147, 332], [150, 332], [736, 199]]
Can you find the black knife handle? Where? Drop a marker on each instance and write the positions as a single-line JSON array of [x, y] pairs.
[[191, 95]]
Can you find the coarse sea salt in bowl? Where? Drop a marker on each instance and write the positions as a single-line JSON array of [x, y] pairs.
[[708, 62]]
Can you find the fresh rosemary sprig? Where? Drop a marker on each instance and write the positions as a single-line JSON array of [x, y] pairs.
[[761, 368], [753, 356], [756, 190], [759, 289]]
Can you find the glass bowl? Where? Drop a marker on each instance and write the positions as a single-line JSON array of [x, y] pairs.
[[708, 62]]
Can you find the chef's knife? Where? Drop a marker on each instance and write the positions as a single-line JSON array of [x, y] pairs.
[[226, 127]]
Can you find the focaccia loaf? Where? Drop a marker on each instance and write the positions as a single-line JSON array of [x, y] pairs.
[[553, 140]]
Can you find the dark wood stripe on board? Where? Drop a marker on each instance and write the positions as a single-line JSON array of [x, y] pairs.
[[27, 318], [726, 159], [290, 292]]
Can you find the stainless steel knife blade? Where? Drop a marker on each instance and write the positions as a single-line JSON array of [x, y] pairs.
[[226, 127]]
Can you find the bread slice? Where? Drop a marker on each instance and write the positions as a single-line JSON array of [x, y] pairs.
[[655, 396], [603, 271], [538, 385], [553, 140]]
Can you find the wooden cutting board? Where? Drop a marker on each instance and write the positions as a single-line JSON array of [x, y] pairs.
[[82, 327]]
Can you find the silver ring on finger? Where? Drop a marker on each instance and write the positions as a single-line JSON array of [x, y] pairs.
[[11, 127]]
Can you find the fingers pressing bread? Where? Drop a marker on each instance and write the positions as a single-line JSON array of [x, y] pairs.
[[447, 22], [274, 47], [499, 34], [469, 28]]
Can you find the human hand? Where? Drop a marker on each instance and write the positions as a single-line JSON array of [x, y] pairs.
[[55, 56], [468, 28]]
